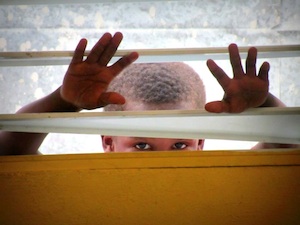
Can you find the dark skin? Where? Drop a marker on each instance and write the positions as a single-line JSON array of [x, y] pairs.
[[83, 87], [244, 90], [86, 81]]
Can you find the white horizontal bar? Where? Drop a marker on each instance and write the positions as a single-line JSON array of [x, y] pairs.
[[40, 58], [263, 124], [51, 2]]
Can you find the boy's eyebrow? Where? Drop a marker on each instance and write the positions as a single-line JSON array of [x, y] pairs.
[[138, 138], [149, 138]]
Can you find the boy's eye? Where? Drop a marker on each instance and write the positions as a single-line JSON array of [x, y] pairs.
[[142, 146], [179, 145]]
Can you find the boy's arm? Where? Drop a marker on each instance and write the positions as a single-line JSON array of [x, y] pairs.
[[272, 101], [245, 90], [19, 143], [84, 87]]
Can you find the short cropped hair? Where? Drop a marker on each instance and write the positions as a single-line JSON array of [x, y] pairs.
[[158, 83]]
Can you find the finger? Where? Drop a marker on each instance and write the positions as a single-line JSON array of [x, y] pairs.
[[79, 51], [107, 98], [264, 71], [98, 48], [122, 63], [218, 73], [110, 49], [251, 62], [235, 61], [217, 107]]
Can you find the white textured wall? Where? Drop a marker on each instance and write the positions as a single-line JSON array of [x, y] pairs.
[[160, 24]]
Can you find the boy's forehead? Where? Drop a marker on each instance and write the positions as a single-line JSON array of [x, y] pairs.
[[134, 105]]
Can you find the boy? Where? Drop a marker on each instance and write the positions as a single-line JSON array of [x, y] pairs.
[[86, 86]]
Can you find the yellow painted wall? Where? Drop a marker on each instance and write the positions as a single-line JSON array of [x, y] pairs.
[[219, 187]]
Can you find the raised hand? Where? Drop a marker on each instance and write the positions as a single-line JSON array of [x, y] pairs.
[[86, 81], [244, 90]]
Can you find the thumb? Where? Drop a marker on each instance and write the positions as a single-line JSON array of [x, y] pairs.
[[217, 107], [107, 98]]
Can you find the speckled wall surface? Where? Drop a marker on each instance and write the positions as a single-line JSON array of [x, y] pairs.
[[160, 24]]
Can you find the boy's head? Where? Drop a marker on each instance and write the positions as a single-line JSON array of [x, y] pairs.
[[156, 86]]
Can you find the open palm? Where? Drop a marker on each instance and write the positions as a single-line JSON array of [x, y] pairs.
[[244, 90], [86, 81]]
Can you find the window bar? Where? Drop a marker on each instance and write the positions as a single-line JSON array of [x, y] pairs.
[[260, 124], [43, 58]]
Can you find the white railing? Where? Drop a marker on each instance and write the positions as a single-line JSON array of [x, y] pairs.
[[41, 58], [264, 124]]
